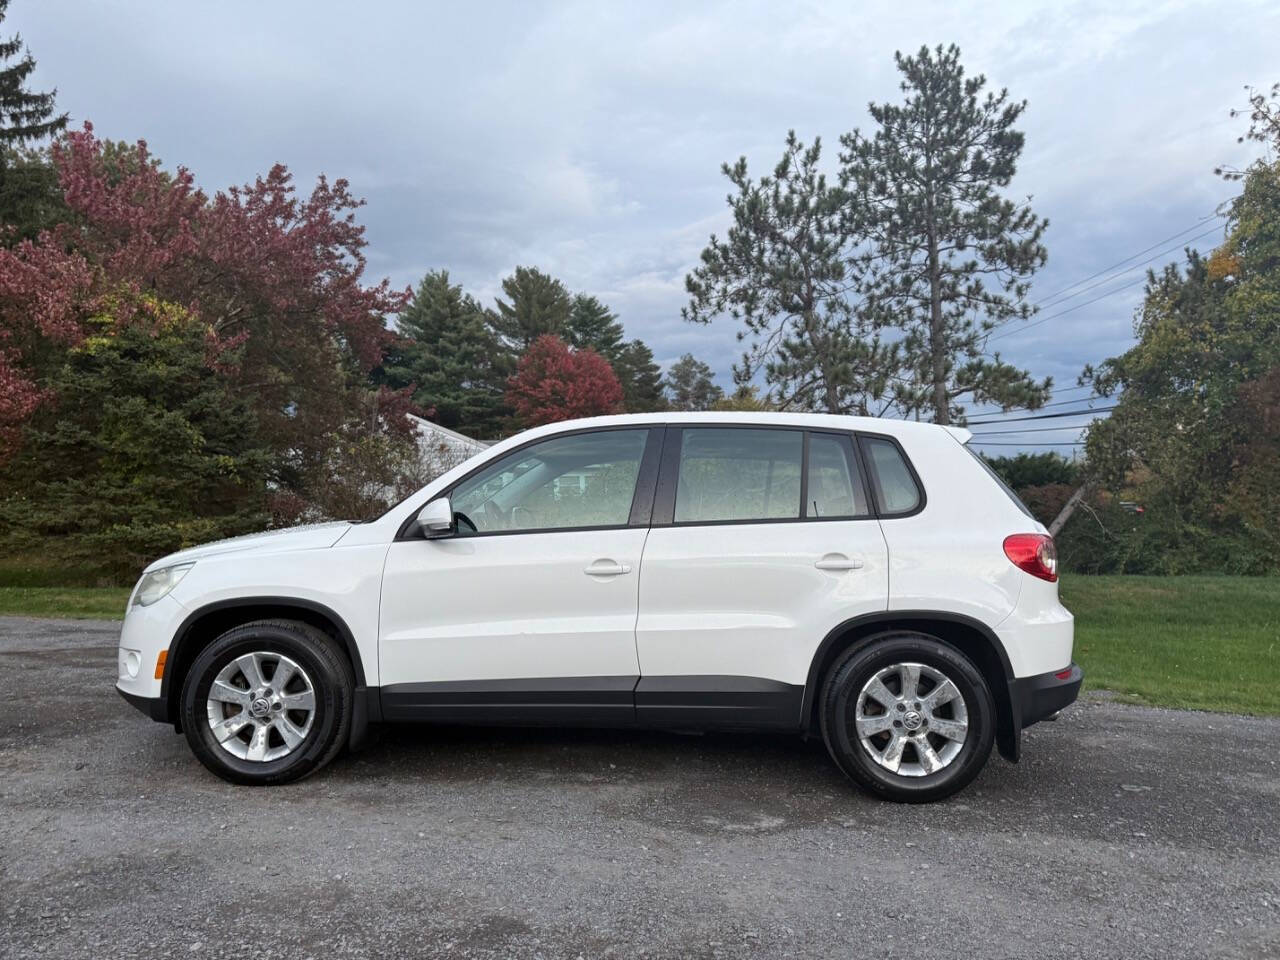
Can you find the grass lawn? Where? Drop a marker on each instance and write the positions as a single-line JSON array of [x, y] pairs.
[[96, 603], [1205, 643]]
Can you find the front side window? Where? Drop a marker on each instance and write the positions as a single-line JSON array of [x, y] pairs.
[[896, 488], [739, 474], [580, 480]]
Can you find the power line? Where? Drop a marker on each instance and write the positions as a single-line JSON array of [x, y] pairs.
[[1118, 263], [1078, 306], [1121, 273], [997, 433], [1043, 416], [1005, 443], [1056, 403]]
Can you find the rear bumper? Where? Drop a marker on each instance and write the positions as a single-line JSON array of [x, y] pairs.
[[154, 707], [1041, 696]]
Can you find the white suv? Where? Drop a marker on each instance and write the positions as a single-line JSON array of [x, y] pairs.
[[867, 581]]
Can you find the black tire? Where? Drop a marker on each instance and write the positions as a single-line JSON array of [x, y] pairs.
[[329, 672], [839, 696]]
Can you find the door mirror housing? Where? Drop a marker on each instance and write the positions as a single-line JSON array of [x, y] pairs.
[[436, 519]]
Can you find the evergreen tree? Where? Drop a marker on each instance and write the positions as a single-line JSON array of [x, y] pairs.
[[538, 304], [30, 198], [641, 379], [690, 385], [451, 358], [948, 256], [147, 449], [24, 116], [782, 271], [593, 326]]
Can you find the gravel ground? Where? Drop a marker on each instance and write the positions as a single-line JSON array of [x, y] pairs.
[[1125, 832]]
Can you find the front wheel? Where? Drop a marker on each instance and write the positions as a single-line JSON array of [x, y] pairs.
[[268, 702], [907, 717]]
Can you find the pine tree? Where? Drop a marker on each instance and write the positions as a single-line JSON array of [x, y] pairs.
[[24, 116], [538, 304], [948, 255], [641, 379], [593, 326], [782, 271], [448, 354], [690, 385], [147, 450]]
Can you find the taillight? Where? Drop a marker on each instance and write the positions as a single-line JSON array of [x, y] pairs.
[[1034, 553]]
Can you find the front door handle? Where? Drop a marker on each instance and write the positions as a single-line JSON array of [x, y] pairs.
[[607, 568], [838, 562]]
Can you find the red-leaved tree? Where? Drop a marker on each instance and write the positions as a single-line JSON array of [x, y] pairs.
[[263, 268], [554, 383]]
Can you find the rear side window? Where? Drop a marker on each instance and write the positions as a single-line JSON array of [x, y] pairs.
[[835, 490], [895, 486], [739, 474]]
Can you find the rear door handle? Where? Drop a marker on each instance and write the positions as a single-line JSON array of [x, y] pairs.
[[607, 568], [838, 562]]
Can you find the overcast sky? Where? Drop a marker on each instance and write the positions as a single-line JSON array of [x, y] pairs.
[[586, 138]]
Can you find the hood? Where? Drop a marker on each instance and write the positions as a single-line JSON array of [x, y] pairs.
[[311, 536]]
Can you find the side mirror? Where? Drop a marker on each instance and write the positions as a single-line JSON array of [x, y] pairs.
[[436, 519]]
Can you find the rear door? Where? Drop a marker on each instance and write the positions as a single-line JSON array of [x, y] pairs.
[[763, 541]]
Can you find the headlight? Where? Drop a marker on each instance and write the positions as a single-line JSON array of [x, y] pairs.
[[158, 583]]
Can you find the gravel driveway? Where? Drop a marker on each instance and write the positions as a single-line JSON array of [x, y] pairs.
[[1125, 832]]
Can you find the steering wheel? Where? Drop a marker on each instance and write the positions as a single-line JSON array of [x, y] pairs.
[[460, 517]]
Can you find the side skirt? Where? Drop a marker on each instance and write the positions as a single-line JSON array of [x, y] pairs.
[[684, 703]]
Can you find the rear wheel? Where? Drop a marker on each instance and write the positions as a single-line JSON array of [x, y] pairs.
[[268, 702], [907, 717]]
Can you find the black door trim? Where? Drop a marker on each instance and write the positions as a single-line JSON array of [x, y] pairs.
[[683, 702]]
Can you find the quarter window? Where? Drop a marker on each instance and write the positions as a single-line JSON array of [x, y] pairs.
[[580, 480], [896, 488], [739, 474]]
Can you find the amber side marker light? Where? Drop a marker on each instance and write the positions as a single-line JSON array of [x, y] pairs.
[[164, 655]]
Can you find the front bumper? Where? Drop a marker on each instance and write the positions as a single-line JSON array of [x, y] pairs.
[[1035, 698], [154, 707]]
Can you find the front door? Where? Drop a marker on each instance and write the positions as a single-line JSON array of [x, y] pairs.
[[530, 609], [763, 541]]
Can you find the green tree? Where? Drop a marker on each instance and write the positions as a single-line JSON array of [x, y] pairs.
[[948, 256], [1034, 469], [745, 399], [450, 357], [690, 385], [536, 304], [30, 198], [783, 273], [641, 379], [24, 116], [1195, 427], [593, 326], [147, 449]]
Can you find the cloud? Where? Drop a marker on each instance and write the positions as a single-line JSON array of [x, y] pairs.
[[586, 138]]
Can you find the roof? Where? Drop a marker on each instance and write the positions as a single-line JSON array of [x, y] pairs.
[[428, 426], [897, 428]]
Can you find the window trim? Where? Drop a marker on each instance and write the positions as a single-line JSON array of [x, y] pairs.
[[642, 498], [665, 501], [877, 495]]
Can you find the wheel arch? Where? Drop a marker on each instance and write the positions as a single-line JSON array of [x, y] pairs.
[[205, 624], [971, 637]]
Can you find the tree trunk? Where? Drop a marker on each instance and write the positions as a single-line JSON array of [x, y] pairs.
[[1067, 510], [937, 335]]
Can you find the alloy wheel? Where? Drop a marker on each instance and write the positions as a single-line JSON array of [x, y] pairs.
[[261, 706], [911, 719]]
